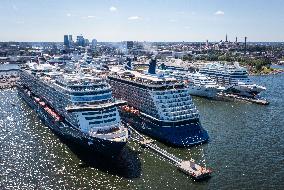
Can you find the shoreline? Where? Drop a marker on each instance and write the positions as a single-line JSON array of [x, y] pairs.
[[274, 72]]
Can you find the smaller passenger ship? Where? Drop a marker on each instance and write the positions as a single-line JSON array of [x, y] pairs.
[[202, 85], [233, 77], [197, 83]]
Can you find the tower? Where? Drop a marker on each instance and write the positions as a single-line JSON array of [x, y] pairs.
[[226, 38], [94, 43], [66, 41], [80, 41], [245, 45]]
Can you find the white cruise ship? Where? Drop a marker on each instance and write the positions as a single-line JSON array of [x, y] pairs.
[[202, 85], [77, 107], [197, 83], [233, 77]]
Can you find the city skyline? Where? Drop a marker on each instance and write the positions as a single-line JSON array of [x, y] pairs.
[[113, 20]]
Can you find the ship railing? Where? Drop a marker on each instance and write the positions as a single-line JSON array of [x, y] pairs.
[[118, 134]]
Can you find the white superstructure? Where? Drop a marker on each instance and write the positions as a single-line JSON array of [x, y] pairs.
[[233, 77]]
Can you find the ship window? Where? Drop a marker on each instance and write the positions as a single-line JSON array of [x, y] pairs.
[[91, 118], [95, 122], [90, 113], [110, 120], [91, 98]]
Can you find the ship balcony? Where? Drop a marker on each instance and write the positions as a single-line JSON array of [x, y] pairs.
[[94, 107]]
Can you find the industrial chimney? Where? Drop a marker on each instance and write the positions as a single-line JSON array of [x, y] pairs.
[[245, 45]]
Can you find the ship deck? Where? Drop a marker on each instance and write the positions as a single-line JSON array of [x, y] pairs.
[[89, 107]]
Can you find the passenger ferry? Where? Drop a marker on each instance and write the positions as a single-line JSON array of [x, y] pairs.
[[233, 77], [158, 105], [78, 107]]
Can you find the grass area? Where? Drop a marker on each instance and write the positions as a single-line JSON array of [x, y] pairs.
[[266, 70]]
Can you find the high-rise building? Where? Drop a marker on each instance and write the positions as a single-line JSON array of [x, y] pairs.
[[129, 44], [66, 41], [94, 43], [226, 38], [80, 41], [70, 38], [86, 43]]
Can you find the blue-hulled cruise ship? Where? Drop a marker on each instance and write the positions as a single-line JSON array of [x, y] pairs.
[[78, 107], [159, 106]]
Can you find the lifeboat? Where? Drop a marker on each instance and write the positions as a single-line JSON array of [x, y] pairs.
[[36, 99], [42, 103], [53, 113], [136, 112], [127, 109]]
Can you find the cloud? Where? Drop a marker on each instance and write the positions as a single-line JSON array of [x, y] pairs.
[[134, 18], [219, 13], [20, 22], [112, 9], [14, 7], [172, 20], [89, 17], [181, 12], [68, 14]]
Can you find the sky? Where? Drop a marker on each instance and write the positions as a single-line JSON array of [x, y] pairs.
[[142, 20]]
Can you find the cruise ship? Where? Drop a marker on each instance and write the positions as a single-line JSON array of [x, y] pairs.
[[198, 84], [159, 106], [233, 77], [202, 85], [78, 107]]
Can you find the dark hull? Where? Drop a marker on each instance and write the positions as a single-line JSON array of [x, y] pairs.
[[71, 133], [184, 134]]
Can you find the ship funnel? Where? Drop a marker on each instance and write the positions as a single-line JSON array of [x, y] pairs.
[[152, 66], [163, 66]]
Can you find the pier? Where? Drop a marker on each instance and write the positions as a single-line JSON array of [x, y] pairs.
[[188, 167], [233, 97]]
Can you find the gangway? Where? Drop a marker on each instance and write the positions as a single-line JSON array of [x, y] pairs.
[[189, 167]]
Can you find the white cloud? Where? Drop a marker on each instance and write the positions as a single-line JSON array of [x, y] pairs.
[[88, 17], [113, 9], [15, 8], [20, 22], [172, 20], [219, 13], [68, 14], [134, 18], [181, 12]]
